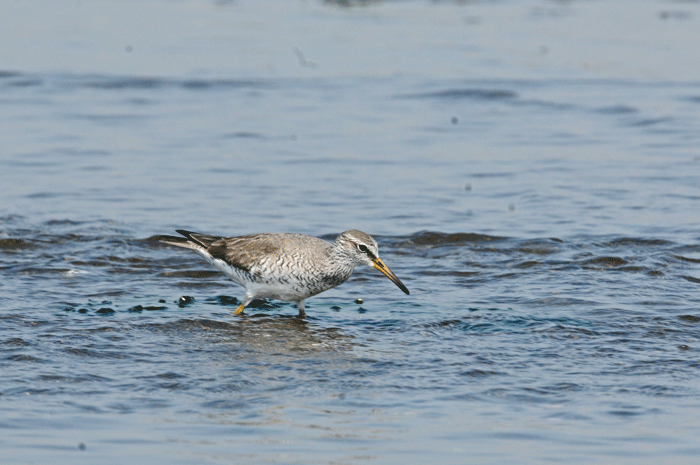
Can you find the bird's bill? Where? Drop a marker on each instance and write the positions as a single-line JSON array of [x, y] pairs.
[[379, 264]]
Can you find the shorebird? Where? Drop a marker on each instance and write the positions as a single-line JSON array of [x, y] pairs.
[[289, 267]]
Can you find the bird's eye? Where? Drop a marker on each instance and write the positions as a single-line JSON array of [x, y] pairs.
[[363, 248]]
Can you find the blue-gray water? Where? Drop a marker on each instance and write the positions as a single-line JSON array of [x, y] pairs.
[[531, 171]]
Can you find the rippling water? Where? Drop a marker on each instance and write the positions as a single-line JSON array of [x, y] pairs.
[[545, 220]]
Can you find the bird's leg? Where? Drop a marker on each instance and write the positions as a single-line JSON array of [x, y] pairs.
[[248, 299], [300, 306]]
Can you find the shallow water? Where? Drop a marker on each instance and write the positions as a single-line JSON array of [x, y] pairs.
[[543, 212]]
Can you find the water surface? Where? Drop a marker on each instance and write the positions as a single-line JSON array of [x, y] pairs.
[[529, 171]]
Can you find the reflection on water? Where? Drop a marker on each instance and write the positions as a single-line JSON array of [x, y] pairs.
[[261, 334]]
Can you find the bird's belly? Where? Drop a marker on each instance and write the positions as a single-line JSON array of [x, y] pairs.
[[288, 287], [288, 292]]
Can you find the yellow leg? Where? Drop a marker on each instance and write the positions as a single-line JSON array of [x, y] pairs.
[[239, 310]]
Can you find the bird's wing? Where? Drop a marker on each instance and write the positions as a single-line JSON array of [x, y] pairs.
[[245, 252]]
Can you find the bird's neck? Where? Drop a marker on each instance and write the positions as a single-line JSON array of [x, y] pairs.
[[339, 260]]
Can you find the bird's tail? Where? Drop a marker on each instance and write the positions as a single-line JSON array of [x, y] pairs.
[[190, 240]]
